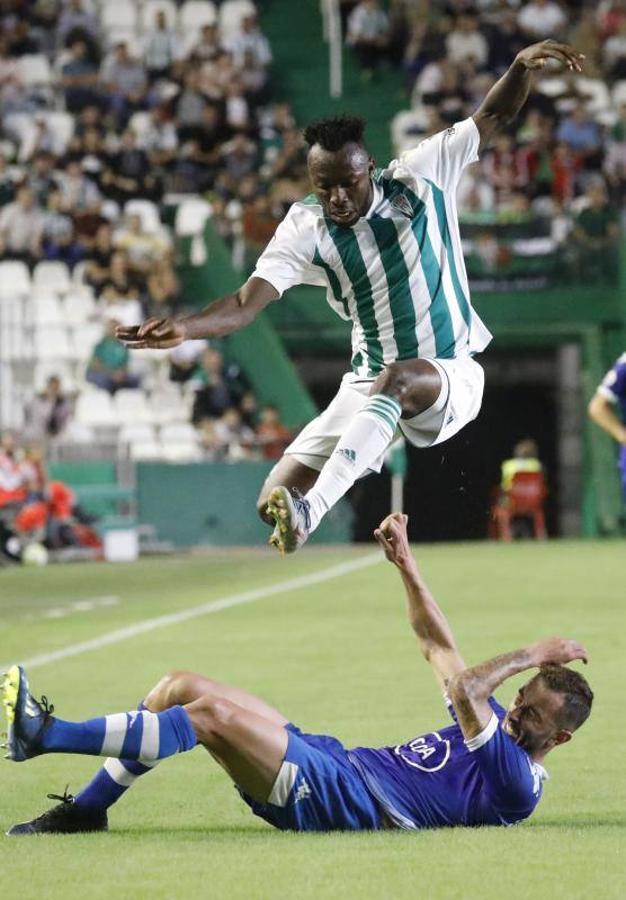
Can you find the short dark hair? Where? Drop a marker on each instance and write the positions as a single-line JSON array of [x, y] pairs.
[[335, 132], [577, 695]]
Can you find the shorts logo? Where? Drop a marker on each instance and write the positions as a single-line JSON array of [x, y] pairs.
[[350, 455], [303, 792], [450, 418], [429, 752]]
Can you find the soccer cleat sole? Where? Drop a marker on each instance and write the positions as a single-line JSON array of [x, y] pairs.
[[10, 696], [284, 537]]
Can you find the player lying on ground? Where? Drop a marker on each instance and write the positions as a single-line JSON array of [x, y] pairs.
[[385, 244], [485, 769]]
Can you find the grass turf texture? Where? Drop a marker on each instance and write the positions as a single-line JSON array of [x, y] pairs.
[[335, 657]]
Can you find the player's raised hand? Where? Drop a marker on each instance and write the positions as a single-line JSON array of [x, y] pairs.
[[557, 651], [157, 334], [537, 55], [392, 536]]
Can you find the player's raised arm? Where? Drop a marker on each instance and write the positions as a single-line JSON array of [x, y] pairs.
[[427, 620], [509, 94], [228, 314], [469, 691]]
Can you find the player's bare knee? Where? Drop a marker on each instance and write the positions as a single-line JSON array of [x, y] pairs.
[[392, 381], [212, 717], [171, 690]]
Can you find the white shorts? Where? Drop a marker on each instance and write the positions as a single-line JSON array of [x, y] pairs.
[[458, 403]]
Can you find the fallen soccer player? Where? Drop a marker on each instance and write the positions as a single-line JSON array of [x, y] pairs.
[[484, 769]]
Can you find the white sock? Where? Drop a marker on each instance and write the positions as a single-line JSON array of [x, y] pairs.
[[367, 436]]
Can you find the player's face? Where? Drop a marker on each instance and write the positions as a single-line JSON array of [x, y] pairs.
[[532, 719], [342, 182]]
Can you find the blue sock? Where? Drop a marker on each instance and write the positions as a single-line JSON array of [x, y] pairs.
[[112, 781], [141, 735]]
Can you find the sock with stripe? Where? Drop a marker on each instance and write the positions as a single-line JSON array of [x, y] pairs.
[[112, 781], [139, 735], [367, 436]]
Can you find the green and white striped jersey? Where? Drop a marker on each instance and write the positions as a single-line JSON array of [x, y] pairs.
[[398, 272]]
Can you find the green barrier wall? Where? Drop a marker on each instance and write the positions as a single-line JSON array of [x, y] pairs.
[[215, 504]]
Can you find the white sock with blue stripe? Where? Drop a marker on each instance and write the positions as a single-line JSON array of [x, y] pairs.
[[365, 439]]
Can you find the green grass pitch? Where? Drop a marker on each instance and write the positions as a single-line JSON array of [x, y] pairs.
[[335, 657]]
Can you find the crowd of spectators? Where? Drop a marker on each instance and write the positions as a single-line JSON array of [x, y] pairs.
[[561, 167], [113, 123]]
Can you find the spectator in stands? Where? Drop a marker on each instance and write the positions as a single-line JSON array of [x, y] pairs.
[[21, 223], [233, 434], [160, 48], [120, 292], [218, 388], [7, 186], [108, 366], [77, 190], [57, 233], [250, 40], [368, 33], [249, 410], [272, 435], [540, 19], [237, 108], [141, 248], [205, 48], [125, 81], [128, 175], [184, 360], [215, 77], [596, 229], [239, 157], [614, 53], [98, 268], [48, 413], [159, 139], [581, 133], [161, 295], [79, 78], [465, 42], [189, 105], [42, 179]]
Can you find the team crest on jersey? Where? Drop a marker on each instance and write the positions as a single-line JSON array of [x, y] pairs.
[[429, 752], [403, 205]]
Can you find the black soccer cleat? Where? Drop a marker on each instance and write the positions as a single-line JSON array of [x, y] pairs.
[[64, 818], [26, 717]]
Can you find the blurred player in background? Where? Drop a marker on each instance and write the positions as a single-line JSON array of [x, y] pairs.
[[385, 244], [484, 769], [608, 410]]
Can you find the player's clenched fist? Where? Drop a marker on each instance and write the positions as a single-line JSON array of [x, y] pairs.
[[392, 537]]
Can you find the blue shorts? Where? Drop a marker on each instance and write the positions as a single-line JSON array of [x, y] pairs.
[[318, 789]]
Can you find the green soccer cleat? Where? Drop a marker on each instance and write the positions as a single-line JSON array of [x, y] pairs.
[[64, 818], [292, 518], [26, 717]]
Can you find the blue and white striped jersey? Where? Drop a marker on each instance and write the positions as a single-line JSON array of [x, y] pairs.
[[398, 273]]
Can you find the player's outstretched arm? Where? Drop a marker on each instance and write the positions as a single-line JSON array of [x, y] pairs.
[[427, 620], [469, 691], [509, 94], [220, 318], [602, 412]]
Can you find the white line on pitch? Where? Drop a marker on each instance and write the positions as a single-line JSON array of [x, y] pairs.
[[194, 612]]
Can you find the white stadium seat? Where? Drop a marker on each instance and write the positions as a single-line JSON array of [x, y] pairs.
[[131, 407], [151, 8], [51, 342], [94, 407], [146, 450], [119, 15], [78, 308], [46, 309], [231, 14], [59, 367], [196, 13], [191, 217], [618, 95], [181, 451], [14, 278], [84, 339], [136, 432], [54, 276], [34, 69], [61, 126]]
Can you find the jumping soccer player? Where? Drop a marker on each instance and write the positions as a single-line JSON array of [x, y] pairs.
[[608, 410], [385, 244], [485, 769]]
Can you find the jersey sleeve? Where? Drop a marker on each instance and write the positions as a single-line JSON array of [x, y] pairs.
[[613, 385], [442, 157], [287, 259], [511, 784]]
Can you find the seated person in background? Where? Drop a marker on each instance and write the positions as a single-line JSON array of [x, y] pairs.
[[108, 366], [20, 227], [98, 268], [272, 435], [524, 459], [595, 231], [218, 388], [184, 360], [142, 249], [608, 410], [48, 412], [161, 295], [368, 33], [58, 240], [234, 435]]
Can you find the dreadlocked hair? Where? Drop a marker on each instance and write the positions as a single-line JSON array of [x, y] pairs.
[[577, 695], [335, 132]]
